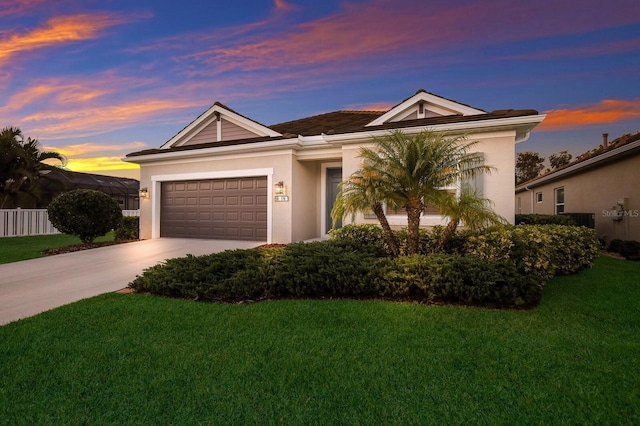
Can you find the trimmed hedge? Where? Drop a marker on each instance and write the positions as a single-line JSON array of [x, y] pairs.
[[372, 235], [544, 219], [626, 248], [339, 269], [541, 250], [458, 279], [128, 229], [323, 268]]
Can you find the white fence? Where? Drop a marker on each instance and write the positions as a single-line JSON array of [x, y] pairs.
[[23, 222]]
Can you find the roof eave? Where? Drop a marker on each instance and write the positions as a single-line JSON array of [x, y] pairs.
[[579, 167], [523, 126]]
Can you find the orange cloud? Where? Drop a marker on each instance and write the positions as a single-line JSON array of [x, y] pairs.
[[85, 121], [62, 94], [58, 30], [379, 106], [606, 111], [386, 29], [75, 150]]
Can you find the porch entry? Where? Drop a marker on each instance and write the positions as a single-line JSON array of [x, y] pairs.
[[334, 177]]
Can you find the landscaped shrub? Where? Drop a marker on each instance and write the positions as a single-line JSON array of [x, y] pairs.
[[208, 277], [626, 248], [527, 247], [614, 246], [426, 239], [541, 250], [339, 269], [630, 249], [457, 279], [128, 229], [85, 213], [366, 234], [544, 219], [372, 235], [574, 248], [327, 268]]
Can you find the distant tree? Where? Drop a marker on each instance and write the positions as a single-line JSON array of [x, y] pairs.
[[528, 166], [560, 159], [23, 168]]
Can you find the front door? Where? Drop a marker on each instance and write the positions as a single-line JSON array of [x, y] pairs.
[[334, 177]]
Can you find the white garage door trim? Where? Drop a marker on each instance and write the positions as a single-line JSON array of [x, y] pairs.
[[156, 182]]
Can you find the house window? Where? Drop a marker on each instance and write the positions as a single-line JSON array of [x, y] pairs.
[[539, 197], [559, 200]]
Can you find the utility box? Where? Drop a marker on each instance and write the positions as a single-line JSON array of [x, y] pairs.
[[583, 219]]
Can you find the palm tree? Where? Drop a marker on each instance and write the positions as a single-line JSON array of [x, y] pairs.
[[22, 167], [469, 208], [413, 170], [360, 193]]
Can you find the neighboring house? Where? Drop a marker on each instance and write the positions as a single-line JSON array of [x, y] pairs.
[[602, 183], [227, 176], [123, 190]]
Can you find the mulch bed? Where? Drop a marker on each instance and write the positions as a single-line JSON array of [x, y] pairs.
[[80, 247]]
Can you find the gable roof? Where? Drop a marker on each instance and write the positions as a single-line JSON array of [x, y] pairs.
[[621, 147], [425, 104], [216, 112], [437, 112]]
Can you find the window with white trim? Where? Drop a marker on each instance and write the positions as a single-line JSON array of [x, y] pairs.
[[427, 210], [538, 197], [559, 200]]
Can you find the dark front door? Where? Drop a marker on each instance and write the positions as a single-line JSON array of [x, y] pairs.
[[334, 177]]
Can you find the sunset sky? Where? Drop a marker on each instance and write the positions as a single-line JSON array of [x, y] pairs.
[[96, 80]]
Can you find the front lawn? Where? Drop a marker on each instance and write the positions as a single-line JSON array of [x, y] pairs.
[[137, 359], [14, 249]]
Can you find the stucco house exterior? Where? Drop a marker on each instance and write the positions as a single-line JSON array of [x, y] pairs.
[[226, 176], [602, 183]]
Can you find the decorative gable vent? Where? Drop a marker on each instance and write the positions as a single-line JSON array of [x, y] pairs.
[[219, 124], [424, 105]]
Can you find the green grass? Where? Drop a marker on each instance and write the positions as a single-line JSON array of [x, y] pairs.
[[14, 249], [136, 359]]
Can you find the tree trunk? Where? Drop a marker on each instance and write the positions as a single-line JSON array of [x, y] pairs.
[[384, 223], [446, 234], [413, 227]]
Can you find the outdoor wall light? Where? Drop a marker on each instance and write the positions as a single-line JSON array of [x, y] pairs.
[[280, 188], [144, 193]]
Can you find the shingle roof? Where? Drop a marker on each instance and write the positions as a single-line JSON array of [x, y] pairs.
[[329, 123], [339, 122], [593, 154]]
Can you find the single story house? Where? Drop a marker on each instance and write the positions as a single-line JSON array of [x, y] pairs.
[[602, 183], [226, 176]]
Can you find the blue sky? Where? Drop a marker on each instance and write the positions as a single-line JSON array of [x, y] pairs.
[[98, 79]]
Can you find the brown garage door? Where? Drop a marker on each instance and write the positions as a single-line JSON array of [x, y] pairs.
[[234, 209]]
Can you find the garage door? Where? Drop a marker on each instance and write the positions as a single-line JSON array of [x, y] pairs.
[[233, 209]]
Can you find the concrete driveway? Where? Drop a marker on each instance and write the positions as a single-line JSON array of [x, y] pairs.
[[33, 286]]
